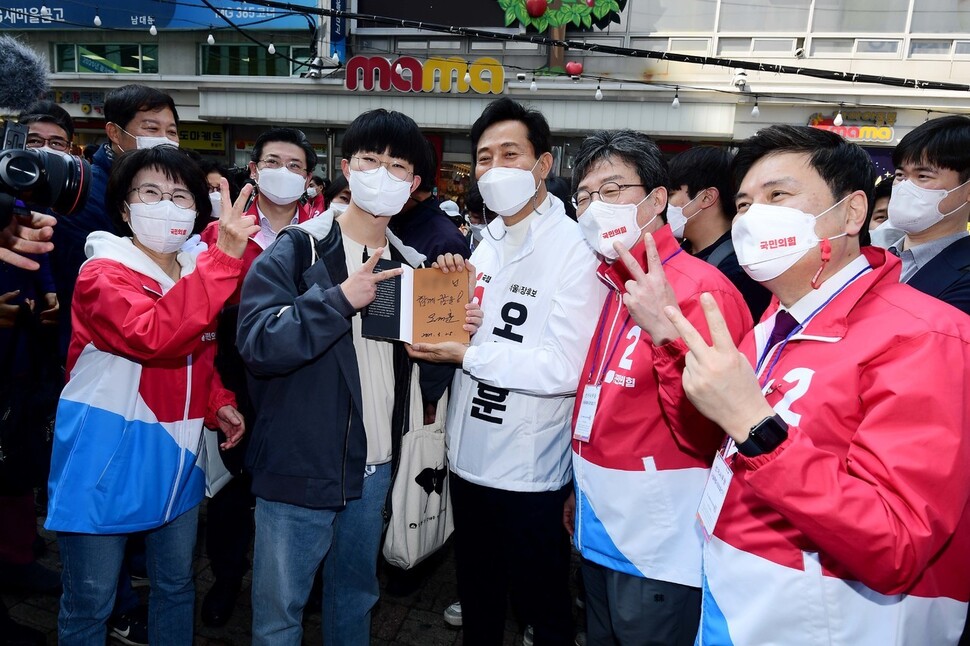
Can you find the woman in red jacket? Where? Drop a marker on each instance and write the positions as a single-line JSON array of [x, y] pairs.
[[127, 451]]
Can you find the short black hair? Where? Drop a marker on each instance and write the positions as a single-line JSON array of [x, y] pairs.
[[288, 136], [212, 166], [427, 168], [318, 179], [505, 109], [174, 164], [703, 167], [635, 148], [883, 189], [123, 103], [559, 187], [473, 199], [942, 142], [48, 112], [845, 167], [336, 186], [376, 131]]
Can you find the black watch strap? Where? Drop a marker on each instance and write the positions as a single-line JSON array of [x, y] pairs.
[[765, 436]]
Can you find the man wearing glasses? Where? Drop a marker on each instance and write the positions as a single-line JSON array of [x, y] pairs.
[[641, 451], [49, 127], [281, 165]]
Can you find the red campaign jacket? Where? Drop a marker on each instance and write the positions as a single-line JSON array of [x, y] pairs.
[[862, 514], [128, 436], [210, 236], [640, 477]]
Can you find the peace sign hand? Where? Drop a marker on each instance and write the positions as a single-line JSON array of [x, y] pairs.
[[647, 294], [718, 379], [235, 227], [360, 288]]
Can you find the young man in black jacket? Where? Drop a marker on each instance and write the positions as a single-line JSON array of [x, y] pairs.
[[330, 404]]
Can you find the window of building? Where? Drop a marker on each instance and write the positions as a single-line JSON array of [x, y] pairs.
[[940, 16], [244, 60], [877, 47], [920, 47], [764, 15], [860, 16], [832, 46], [659, 16], [110, 58]]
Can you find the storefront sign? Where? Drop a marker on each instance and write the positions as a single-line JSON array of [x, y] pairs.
[[202, 136], [861, 134], [408, 74], [138, 14], [865, 133], [90, 101]]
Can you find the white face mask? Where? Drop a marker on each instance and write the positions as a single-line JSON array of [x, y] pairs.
[[311, 192], [915, 209], [338, 207], [507, 190], [770, 239], [603, 224], [676, 218], [378, 192], [148, 142], [216, 200], [280, 185], [162, 227], [885, 235]]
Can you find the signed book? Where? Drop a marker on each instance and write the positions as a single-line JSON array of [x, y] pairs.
[[419, 306]]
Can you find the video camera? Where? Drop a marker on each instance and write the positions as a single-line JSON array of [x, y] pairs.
[[38, 178]]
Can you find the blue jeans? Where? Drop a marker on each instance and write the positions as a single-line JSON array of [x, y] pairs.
[[92, 563], [350, 587], [292, 541]]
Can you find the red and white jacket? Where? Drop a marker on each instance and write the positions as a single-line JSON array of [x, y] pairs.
[[640, 476], [856, 529], [128, 436]]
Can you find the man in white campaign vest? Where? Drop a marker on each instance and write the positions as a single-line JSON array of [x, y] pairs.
[[508, 427]]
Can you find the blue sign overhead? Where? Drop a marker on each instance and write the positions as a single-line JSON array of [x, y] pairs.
[[141, 14]]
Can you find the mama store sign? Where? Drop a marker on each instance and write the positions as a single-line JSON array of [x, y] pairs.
[[861, 133], [408, 74]]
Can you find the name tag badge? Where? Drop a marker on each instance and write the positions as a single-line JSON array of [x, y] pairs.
[[715, 491], [587, 410]]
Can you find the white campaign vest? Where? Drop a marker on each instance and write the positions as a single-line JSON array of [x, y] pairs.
[[510, 414]]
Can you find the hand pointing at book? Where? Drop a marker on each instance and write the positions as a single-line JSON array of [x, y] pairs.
[[360, 288]]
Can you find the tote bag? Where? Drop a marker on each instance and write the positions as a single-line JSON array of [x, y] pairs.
[[421, 519]]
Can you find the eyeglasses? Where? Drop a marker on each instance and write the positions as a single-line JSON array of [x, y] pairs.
[[275, 162], [54, 143], [608, 192], [151, 194], [370, 163]]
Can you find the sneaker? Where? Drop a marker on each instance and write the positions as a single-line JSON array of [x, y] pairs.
[[581, 638], [527, 637], [130, 627], [453, 614]]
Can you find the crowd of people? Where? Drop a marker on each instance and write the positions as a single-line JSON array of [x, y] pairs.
[[734, 382]]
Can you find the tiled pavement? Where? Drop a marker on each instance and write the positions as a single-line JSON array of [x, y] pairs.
[[414, 619]]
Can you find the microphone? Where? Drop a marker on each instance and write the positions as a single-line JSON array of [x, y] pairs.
[[23, 76]]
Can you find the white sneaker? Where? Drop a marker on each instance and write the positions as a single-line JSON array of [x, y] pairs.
[[527, 637], [453, 614]]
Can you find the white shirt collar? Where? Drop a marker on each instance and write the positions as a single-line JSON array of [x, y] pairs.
[[267, 235]]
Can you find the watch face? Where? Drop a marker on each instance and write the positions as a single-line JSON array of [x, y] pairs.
[[765, 437]]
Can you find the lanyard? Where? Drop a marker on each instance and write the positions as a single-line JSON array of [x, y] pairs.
[[602, 326], [798, 328]]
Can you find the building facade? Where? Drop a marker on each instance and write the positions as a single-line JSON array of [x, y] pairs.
[[234, 85]]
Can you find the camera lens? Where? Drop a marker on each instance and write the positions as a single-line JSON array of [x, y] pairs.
[[45, 180]]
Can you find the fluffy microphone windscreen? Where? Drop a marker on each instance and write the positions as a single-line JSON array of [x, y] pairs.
[[23, 76]]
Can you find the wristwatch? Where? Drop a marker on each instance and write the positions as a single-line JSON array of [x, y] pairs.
[[765, 437]]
